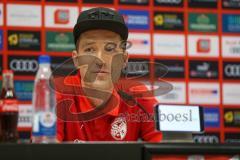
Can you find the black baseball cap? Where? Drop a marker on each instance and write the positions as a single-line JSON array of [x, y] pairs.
[[100, 18]]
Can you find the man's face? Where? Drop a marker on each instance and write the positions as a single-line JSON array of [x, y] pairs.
[[100, 58]]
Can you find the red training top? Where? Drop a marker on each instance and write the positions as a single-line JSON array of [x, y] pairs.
[[125, 122]]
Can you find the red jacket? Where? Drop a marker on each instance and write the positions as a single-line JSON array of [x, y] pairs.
[[123, 123]]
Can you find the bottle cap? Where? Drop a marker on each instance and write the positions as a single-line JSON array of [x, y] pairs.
[[7, 71], [44, 59]]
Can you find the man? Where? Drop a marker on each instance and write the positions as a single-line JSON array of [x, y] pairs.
[[95, 105]]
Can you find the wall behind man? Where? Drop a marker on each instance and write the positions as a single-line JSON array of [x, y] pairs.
[[198, 41]]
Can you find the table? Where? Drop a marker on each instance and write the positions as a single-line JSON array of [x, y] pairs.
[[110, 151]]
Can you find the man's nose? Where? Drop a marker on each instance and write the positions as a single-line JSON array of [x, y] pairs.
[[102, 58]]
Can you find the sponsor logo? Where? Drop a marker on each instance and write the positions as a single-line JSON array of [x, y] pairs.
[[233, 4], [232, 138], [138, 2], [164, 44], [140, 44], [175, 118], [59, 41], [203, 46], [176, 95], [211, 117], [178, 117], [1, 39], [203, 69], [25, 116], [178, 3], [232, 117], [175, 68], [137, 67], [1, 14], [26, 65], [47, 119], [203, 93], [102, 1], [202, 3], [23, 65], [24, 40], [24, 15], [61, 16], [206, 138], [230, 46], [44, 124], [119, 128], [231, 23], [231, 70], [168, 21], [231, 93], [9, 105], [202, 22], [24, 90], [136, 19]]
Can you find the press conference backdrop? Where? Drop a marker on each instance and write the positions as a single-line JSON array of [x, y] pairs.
[[198, 41]]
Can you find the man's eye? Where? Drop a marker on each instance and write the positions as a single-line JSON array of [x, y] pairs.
[[125, 44], [89, 50], [110, 47]]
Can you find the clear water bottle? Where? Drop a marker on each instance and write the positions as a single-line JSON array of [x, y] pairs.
[[44, 117]]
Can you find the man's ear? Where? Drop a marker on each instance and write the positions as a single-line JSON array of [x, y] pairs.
[[74, 57]]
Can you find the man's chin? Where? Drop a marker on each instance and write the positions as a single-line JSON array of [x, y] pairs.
[[103, 87], [100, 85]]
